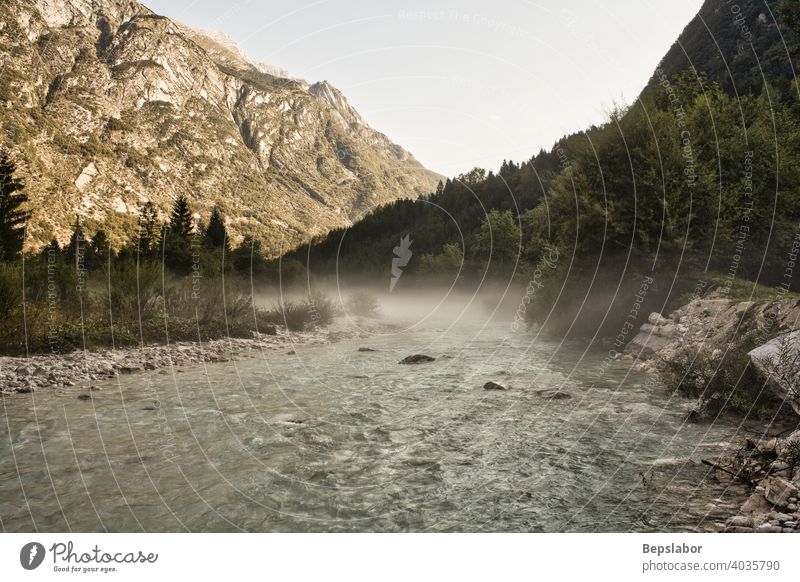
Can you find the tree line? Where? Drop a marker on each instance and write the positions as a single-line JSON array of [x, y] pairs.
[[172, 279], [692, 184]]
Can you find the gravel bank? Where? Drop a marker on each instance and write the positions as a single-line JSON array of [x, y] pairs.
[[52, 371]]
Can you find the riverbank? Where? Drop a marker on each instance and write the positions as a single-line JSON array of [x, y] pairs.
[[693, 342], [83, 369]]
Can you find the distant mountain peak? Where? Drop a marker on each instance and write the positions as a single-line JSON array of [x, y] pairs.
[[336, 101], [223, 48]]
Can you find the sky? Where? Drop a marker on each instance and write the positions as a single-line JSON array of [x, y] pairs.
[[459, 83]]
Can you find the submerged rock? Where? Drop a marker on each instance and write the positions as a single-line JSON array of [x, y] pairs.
[[554, 394], [366, 350], [417, 359], [494, 386]]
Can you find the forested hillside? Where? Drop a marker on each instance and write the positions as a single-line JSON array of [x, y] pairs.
[[698, 180]]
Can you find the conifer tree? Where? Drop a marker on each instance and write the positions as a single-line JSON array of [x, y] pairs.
[[78, 245], [180, 221], [149, 228], [12, 218], [216, 233], [177, 247], [98, 250]]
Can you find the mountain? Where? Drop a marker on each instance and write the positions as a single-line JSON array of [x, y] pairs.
[[106, 105], [735, 44], [703, 175]]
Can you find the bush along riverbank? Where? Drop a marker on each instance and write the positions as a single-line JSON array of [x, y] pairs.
[[738, 358]]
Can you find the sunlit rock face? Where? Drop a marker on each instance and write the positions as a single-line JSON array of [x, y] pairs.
[[107, 105]]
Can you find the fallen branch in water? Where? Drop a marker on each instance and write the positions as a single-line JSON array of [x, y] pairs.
[[729, 472]]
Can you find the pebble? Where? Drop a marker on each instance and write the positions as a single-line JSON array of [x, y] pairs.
[[740, 521]]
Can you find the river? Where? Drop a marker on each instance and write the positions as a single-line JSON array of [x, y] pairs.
[[331, 438]]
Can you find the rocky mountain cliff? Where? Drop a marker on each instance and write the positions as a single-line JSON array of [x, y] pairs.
[[106, 105]]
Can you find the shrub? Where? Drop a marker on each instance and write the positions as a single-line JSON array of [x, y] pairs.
[[363, 304], [135, 289], [791, 453], [292, 315], [321, 309], [722, 380], [784, 369]]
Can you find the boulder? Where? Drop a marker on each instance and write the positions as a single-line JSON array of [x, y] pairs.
[[494, 386], [554, 394], [778, 490], [778, 361], [651, 338], [756, 504], [657, 319], [417, 359]]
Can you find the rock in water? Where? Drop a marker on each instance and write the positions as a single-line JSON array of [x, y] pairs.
[[494, 386], [366, 350], [417, 359], [554, 394]]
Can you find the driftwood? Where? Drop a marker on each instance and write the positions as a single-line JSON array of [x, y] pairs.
[[729, 472]]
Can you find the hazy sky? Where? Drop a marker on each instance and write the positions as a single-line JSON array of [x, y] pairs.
[[459, 83]]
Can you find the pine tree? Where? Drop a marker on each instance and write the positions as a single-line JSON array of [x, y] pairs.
[[439, 188], [149, 228], [248, 257], [78, 245], [177, 246], [12, 219], [180, 221], [49, 249], [216, 233], [98, 250]]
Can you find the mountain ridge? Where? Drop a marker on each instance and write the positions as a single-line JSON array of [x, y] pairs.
[[108, 105]]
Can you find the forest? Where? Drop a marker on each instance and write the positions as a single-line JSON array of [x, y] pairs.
[[696, 185]]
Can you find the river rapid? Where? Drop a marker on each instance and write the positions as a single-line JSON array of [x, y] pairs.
[[330, 438]]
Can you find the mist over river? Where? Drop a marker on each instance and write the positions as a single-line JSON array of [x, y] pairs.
[[330, 438]]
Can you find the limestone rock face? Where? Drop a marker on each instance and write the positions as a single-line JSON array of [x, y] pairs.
[[106, 105]]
